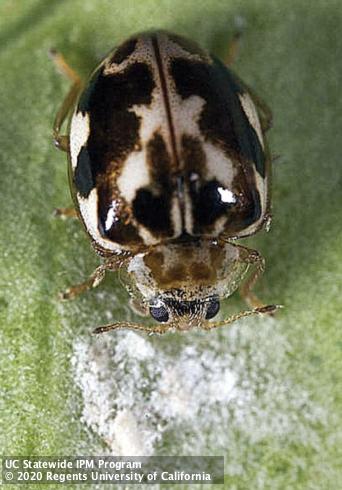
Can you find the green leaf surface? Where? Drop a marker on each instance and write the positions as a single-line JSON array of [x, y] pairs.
[[265, 393]]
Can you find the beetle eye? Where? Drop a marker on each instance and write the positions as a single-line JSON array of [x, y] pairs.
[[159, 313], [213, 309]]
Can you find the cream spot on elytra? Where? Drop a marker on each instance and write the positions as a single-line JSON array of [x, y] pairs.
[[79, 133]]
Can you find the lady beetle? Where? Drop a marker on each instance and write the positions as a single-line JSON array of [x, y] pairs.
[[168, 166]]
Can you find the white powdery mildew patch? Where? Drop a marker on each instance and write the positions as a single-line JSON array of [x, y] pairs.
[[205, 395]]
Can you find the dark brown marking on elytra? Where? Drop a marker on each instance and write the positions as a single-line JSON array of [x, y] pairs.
[[152, 204], [208, 206], [114, 128], [223, 120], [114, 133], [124, 51], [207, 203], [193, 157], [121, 232], [83, 177], [248, 208], [188, 45], [84, 100], [159, 162]]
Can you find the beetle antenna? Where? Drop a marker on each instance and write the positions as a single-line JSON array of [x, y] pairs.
[[262, 310], [149, 329]]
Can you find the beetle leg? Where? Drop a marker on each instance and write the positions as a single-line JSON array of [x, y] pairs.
[[249, 256], [94, 280], [149, 329], [262, 310], [65, 213], [233, 49], [112, 263], [62, 141], [253, 258]]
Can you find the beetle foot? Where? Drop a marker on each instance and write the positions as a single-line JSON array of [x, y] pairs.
[[64, 213], [66, 295]]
